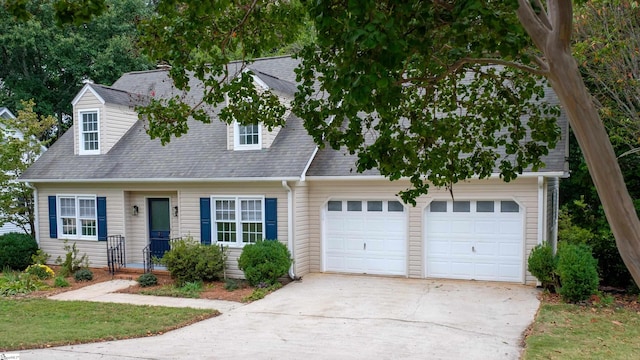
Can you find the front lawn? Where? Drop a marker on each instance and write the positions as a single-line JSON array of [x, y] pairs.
[[27, 323], [564, 331]]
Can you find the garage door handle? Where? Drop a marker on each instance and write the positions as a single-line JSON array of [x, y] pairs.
[[365, 246], [473, 248]]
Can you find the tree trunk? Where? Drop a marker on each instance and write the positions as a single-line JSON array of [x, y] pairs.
[[599, 155]]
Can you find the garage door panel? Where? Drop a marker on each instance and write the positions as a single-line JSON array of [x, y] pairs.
[[474, 245], [383, 232]]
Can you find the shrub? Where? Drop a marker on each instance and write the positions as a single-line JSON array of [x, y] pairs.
[[16, 250], [40, 257], [264, 262], [578, 272], [190, 261], [147, 279], [42, 272], [542, 265], [72, 262], [231, 284], [611, 269], [60, 282], [83, 275]]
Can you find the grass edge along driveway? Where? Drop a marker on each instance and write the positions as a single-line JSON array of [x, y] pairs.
[[38, 323], [564, 331]]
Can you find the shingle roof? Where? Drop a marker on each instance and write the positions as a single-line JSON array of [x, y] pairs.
[[200, 154]]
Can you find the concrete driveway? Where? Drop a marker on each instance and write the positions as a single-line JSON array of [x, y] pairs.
[[345, 317]]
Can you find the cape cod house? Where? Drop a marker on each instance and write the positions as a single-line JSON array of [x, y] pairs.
[[232, 185]]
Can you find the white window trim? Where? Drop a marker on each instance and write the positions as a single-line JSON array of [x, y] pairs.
[[238, 220], [81, 149], [236, 138], [78, 235]]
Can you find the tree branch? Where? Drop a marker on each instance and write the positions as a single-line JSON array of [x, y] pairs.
[[460, 63], [533, 24], [561, 15]]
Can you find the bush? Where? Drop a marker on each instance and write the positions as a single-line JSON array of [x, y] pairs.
[[611, 268], [578, 272], [190, 261], [147, 279], [72, 262], [264, 262], [542, 265], [83, 275], [16, 250], [60, 282], [40, 271]]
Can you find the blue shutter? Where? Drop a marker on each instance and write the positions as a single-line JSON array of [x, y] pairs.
[[205, 221], [53, 221], [271, 218], [102, 218]]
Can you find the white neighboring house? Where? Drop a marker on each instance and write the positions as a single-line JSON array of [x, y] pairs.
[[5, 113]]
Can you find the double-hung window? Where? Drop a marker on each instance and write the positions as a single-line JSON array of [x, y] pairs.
[[238, 220], [247, 137], [89, 132], [78, 217]]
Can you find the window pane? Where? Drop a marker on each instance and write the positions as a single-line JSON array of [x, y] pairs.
[[87, 208], [461, 206], [225, 210], [395, 206], [509, 206], [88, 227], [354, 205], [248, 134], [484, 206], [251, 232], [251, 210], [335, 206], [374, 205], [438, 206], [67, 206], [226, 231], [69, 226]]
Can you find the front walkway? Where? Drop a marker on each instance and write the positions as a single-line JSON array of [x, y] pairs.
[[345, 317]]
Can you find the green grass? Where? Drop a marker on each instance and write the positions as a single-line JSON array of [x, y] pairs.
[[37, 323], [563, 331], [188, 290]]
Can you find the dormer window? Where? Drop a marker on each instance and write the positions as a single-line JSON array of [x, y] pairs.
[[247, 137], [89, 132]]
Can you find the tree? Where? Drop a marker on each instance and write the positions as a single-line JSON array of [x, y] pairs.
[[48, 62], [19, 148], [384, 59]]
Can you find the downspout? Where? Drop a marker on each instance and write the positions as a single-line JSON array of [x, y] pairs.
[[35, 214], [541, 208], [290, 242]]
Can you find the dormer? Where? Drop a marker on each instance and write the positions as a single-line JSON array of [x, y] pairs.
[[101, 116], [256, 137]]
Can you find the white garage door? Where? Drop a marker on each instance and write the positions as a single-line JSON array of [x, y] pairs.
[[365, 237], [481, 240]]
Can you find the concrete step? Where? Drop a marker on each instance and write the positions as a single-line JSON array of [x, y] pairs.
[[132, 273]]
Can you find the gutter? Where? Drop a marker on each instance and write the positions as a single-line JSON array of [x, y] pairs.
[[163, 180], [36, 223], [290, 241], [381, 177]]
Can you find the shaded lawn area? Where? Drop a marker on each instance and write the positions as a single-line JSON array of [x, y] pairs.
[[36, 323], [563, 331]]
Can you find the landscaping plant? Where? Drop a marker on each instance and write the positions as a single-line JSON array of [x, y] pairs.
[[147, 279], [83, 274], [542, 264], [578, 272], [264, 262], [16, 250], [40, 271], [72, 261], [190, 261]]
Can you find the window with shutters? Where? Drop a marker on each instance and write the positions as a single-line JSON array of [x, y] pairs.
[[238, 220], [77, 217]]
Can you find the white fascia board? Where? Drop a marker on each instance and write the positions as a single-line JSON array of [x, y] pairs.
[[306, 167], [380, 177], [83, 91], [163, 180], [6, 113]]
